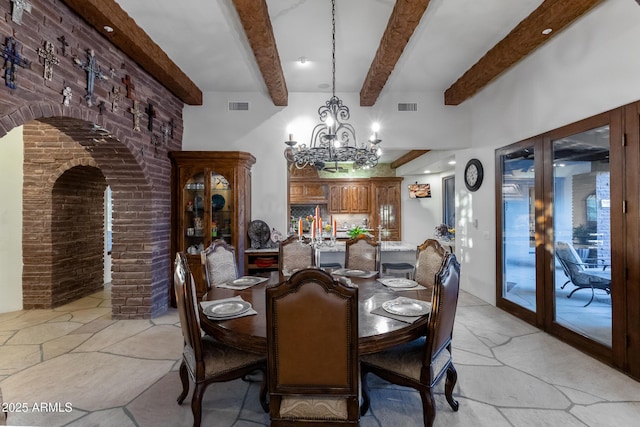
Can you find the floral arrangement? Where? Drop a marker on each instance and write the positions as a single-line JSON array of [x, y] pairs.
[[444, 232]]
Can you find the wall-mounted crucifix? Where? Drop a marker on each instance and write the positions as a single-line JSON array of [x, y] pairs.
[[62, 40], [93, 72], [116, 97], [151, 114], [49, 58], [19, 6], [167, 130], [129, 85], [9, 52], [136, 116]]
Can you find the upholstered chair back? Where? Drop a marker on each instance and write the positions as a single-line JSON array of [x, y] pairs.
[[295, 255], [429, 258], [219, 261], [186, 301], [362, 253]]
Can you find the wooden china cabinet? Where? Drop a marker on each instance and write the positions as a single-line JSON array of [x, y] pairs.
[[387, 207], [211, 199]]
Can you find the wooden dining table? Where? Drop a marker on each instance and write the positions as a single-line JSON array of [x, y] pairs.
[[376, 332]]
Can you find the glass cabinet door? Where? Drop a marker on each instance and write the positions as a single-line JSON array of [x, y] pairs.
[[193, 222], [221, 208]]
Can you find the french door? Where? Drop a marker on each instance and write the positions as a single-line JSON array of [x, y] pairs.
[[567, 227]]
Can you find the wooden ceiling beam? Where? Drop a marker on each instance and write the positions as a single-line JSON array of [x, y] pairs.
[[402, 23], [411, 155], [520, 42], [254, 16], [136, 43]]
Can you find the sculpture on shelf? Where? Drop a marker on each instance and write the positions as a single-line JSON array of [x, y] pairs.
[[260, 235]]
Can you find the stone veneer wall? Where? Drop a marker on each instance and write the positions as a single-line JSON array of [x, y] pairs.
[[72, 152]]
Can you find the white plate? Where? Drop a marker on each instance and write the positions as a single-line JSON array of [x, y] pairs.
[[243, 281], [226, 309], [407, 307], [355, 272], [400, 283]]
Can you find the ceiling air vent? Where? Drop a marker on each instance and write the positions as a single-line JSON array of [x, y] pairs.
[[408, 106], [238, 106]]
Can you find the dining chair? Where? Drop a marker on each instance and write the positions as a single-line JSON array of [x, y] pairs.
[[205, 360], [580, 274], [362, 253], [312, 343], [219, 261], [429, 258], [295, 255], [422, 363]]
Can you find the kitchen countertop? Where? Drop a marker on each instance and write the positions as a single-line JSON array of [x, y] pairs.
[[385, 246]]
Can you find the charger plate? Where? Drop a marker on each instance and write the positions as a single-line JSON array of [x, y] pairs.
[[407, 307], [226, 309]]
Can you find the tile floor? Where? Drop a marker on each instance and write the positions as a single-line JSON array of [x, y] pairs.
[[90, 370]]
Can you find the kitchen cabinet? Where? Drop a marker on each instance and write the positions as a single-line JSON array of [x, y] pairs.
[[349, 198], [387, 207], [211, 199], [307, 193]]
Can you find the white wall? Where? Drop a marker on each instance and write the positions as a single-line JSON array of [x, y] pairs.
[[11, 160]]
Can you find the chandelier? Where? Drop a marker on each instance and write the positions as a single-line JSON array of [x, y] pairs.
[[333, 140]]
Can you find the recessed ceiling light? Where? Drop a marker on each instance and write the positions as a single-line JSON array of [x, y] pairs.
[[108, 29], [452, 162], [427, 171], [547, 31], [302, 60]]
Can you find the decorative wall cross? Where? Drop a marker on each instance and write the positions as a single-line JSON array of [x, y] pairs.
[[19, 6], [62, 40], [49, 59], [167, 131], [151, 114], [129, 85], [12, 58], [102, 106], [66, 94], [93, 72], [136, 116], [116, 97]]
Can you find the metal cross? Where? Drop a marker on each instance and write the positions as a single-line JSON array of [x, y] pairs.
[[12, 58], [67, 94], [151, 114], [93, 71], [129, 85], [102, 106], [19, 6], [167, 130], [62, 40], [116, 97], [49, 59], [136, 116]]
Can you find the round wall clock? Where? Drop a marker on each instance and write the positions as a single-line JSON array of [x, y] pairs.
[[473, 174]]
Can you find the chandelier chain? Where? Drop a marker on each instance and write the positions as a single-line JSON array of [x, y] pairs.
[[333, 45]]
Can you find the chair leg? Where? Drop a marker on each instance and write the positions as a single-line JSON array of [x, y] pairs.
[[196, 404], [365, 393], [263, 393], [428, 407], [450, 383], [565, 284], [184, 377]]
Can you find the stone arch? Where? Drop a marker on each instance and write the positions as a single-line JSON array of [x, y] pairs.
[[55, 145]]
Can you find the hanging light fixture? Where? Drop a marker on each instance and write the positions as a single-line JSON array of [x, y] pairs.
[[333, 140]]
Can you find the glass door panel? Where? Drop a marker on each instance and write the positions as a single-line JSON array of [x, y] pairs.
[[193, 218], [582, 234], [221, 208], [518, 228]]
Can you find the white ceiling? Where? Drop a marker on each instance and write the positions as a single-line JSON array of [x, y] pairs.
[[206, 40]]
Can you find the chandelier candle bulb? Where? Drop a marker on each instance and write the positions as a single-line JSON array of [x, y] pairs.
[[334, 228], [313, 229], [300, 227]]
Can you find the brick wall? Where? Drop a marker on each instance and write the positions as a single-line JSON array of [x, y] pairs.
[[72, 152]]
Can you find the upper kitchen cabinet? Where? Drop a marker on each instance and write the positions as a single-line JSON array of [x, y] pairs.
[[211, 199], [387, 206], [349, 197]]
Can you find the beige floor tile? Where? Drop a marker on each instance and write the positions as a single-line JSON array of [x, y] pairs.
[[120, 330], [540, 418], [464, 339], [609, 414], [64, 317], [108, 418], [90, 381], [169, 318], [43, 333], [43, 418], [62, 345], [579, 397], [28, 318], [5, 335], [89, 314], [469, 414], [82, 303], [14, 358], [95, 325], [157, 342]]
